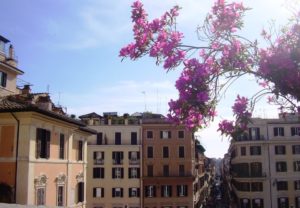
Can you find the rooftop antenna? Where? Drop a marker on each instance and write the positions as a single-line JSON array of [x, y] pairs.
[[143, 92], [48, 88], [158, 102]]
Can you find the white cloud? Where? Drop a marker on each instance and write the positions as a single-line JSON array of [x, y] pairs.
[[124, 97]]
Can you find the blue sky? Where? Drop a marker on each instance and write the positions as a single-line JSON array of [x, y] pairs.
[[71, 49]]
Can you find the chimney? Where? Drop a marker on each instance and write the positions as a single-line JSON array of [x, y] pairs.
[[11, 52], [44, 102], [26, 90]]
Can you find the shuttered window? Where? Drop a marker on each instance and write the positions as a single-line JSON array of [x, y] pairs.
[[43, 143]]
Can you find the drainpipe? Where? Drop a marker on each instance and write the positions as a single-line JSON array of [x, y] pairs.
[[17, 155]]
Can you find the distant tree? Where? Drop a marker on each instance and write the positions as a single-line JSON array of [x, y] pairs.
[[225, 56]]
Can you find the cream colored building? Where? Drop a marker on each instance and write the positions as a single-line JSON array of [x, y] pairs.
[[265, 164], [43, 152], [8, 69], [114, 162]]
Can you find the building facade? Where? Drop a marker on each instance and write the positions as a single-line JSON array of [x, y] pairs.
[[42, 150], [265, 164], [168, 165], [114, 158]]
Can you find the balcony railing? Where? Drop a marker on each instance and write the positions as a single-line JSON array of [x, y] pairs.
[[98, 161], [117, 162], [246, 137], [245, 175], [134, 161]]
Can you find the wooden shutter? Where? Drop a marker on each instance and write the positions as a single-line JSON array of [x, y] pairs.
[[169, 134], [161, 134], [121, 192], [113, 192], [102, 172], [170, 189], [48, 135], [95, 155], [293, 131], [113, 172], [154, 191], [250, 133], [80, 192], [122, 172], [138, 155], [138, 172], [4, 78], [275, 132], [178, 190], [94, 192], [130, 189], [282, 131], [102, 192], [129, 173], [138, 192], [129, 155], [38, 142]]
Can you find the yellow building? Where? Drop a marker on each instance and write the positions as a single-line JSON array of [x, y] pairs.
[[265, 164], [114, 162], [42, 151]]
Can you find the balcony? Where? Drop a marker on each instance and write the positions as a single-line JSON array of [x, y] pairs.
[[98, 161], [246, 137], [134, 161], [238, 174], [118, 162]]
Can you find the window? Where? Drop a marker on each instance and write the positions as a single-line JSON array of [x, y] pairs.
[[181, 170], [134, 192], [60, 196], [117, 192], [149, 134], [134, 172], [245, 203], [117, 158], [283, 202], [150, 170], [42, 143], [297, 202], [243, 151], [296, 149], [281, 167], [80, 192], [297, 166], [150, 152], [256, 186], [150, 191], [99, 138], [3, 78], [62, 146], [255, 150], [134, 138], [98, 192], [118, 138], [254, 133], [98, 172], [166, 191], [282, 185], [133, 157], [181, 152], [98, 158], [257, 203], [278, 131], [165, 152], [165, 134], [181, 134], [295, 131], [256, 169], [80, 150], [117, 172], [297, 185], [182, 190], [40, 196], [280, 150], [165, 170]]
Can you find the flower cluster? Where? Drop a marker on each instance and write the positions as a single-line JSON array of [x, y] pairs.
[[242, 115], [280, 63], [158, 37], [226, 18], [194, 104]]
